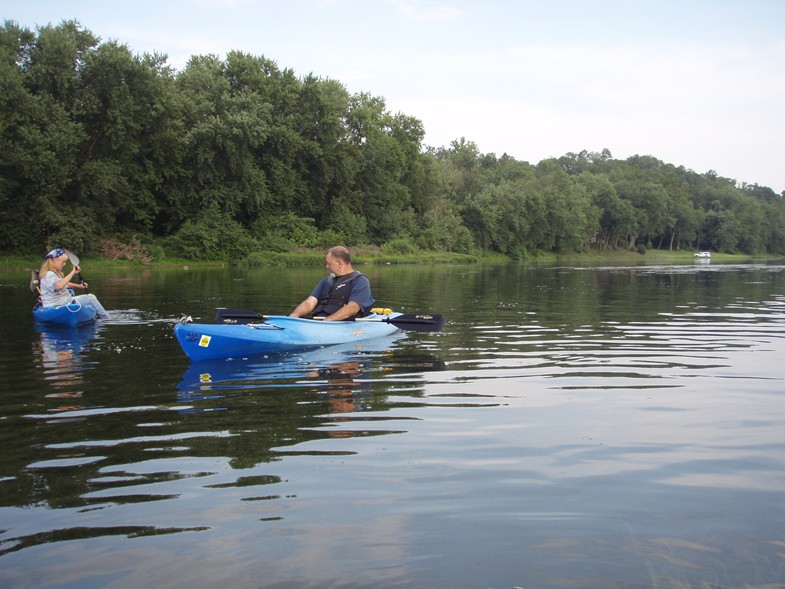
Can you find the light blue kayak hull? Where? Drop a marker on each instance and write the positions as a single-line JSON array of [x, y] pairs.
[[73, 314], [208, 341]]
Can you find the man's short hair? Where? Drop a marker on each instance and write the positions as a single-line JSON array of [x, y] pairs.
[[340, 253]]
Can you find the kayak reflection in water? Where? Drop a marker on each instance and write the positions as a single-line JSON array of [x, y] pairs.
[[58, 354]]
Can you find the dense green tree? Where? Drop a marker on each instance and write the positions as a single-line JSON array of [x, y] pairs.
[[686, 219], [482, 216], [237, 154], [465, 175], [587, 161], [572, 217], [774, 226], [323, 158], [386, 147], [53, 63], [616, 216], [38, 137], [124, 110], [225, 130]]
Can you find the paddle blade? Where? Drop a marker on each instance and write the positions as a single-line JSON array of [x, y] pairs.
[[72, 257], [417, 322], [237, 316]]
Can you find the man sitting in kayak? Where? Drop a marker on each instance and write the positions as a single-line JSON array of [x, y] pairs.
[[344, 294], [54, 285]]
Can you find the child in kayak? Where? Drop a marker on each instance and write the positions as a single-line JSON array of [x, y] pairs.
[[54, 284]]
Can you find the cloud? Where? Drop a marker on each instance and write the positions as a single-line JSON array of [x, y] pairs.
[[213, 5], [422, 11]]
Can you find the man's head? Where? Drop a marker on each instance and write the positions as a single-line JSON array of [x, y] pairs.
[[338, 260]]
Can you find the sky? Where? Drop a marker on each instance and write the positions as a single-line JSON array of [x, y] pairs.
[[694, 83]]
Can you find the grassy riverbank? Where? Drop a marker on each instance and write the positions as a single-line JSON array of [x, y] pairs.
[[371, 256], [257, 259]]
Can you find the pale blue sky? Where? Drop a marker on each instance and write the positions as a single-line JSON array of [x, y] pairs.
[[698, 83]]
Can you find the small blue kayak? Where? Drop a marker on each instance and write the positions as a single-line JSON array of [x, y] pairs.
[[71, 314], [276, 333]]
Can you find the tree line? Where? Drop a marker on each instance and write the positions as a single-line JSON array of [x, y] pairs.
[[104, 148]]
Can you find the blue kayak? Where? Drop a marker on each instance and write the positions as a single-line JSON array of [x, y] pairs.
[[72, 314], [276, 333]]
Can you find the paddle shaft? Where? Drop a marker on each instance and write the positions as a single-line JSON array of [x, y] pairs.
[[406, 321], [82, 282]]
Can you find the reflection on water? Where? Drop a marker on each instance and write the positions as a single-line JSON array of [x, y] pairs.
[[59, 354], [335, 372], [570, 427], [339, 378]]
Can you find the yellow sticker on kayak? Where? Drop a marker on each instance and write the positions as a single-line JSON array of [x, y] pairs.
[[204, 341]]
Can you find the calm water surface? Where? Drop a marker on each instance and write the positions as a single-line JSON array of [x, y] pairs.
[[571, 427]]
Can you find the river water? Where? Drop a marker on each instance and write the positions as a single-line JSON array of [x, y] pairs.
[[589, 427]]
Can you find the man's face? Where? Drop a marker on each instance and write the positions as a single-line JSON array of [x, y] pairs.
[[333, 265]]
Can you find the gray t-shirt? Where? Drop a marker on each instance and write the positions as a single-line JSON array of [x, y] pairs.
[[50, 296]]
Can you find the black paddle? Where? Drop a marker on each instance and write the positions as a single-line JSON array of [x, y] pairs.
[[237, 316], [75, 261], [407, 321], [413, 322]]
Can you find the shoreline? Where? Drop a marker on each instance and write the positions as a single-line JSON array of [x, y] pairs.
[[12, 263]]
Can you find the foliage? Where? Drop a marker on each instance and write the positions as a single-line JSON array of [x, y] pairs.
[[239, 159], [267, 258], [113, 248], [213, 235], [400, 245]]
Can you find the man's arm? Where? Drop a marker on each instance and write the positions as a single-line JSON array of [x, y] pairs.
[[350, 309], [305, 308]]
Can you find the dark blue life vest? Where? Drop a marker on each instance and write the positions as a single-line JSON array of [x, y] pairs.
[[335, 294]]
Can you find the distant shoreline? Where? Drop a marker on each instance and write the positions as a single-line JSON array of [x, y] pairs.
[[311, 258]]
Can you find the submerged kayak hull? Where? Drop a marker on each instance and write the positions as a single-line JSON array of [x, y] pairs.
[[208, 341], [73, 314]]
